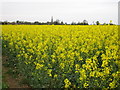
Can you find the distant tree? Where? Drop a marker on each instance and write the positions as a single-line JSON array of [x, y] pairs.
[[66, 23], [104, 23], [93, 23], [73, 23], [37, 23], [13, 23], [5, 23], [111, 22], [82, 23], [97, 23], [48, 23], [62, 23], [17, 22], [57, 22], [85, 22], [78, 23]]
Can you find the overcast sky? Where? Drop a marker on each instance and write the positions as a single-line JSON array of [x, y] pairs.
[[64, 10]]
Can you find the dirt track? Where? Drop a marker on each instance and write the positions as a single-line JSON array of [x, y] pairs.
[[8, 79]]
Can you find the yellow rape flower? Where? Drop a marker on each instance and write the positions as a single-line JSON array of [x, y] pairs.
[[67, 83]]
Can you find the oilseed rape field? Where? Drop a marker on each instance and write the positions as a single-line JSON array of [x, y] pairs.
[[64, 56]]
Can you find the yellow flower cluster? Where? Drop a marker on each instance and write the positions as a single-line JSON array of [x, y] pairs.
[[67, 83], [38, 66]]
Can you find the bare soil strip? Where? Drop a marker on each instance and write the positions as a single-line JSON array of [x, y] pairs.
[[9, 80]]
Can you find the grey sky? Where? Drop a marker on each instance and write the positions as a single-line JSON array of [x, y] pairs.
[[65, 10]]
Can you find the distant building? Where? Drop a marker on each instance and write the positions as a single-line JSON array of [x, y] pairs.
[[52, 20]]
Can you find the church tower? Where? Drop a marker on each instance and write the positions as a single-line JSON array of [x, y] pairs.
[[51, 20]]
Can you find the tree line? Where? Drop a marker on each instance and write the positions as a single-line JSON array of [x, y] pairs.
[[57, 22]]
